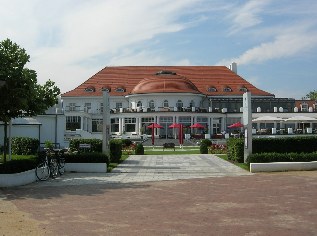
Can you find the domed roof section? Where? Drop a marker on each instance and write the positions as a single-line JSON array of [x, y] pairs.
[[165, 84]]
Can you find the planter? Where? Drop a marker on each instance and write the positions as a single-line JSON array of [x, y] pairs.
[[282, 166], [17, 179], [86, 167]]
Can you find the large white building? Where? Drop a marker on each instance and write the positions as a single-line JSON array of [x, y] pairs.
[[141, 95]]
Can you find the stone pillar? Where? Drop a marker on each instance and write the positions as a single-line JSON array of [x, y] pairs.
[[106, 123]]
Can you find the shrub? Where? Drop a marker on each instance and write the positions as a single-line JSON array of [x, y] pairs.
[[281, 157], [139, 149], [285, 145], [87, 158], [126, 142], [17, 166], [218, 149], [96, 145], [206, 141], [24, 145], [235, 150], [115, 150], [203, 148]]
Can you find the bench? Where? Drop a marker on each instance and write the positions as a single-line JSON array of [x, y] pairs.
[[169, 145]]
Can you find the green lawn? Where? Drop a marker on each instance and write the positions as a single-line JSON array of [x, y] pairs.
[[241, 165]]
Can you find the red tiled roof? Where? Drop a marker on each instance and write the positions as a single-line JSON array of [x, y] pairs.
[[192, 78]]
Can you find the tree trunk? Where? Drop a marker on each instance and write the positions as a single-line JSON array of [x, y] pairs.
[[5, 142]]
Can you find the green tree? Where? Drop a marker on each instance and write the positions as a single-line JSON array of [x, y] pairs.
[[20, 95], [312, 95]]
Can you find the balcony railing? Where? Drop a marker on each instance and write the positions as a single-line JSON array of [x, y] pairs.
[[185, 109]]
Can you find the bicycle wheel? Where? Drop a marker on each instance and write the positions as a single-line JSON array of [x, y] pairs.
[[61, 165], [54, 168], [42, 171]]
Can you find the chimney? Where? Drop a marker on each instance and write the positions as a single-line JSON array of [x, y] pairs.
[[233, 66]]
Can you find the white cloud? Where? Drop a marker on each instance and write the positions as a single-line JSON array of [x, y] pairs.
[[61, 35], [246, 16], [295, 40]]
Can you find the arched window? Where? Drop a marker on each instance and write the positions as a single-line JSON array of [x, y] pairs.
[[211, 89], [165, 103], [227, 89], [192, 103], [106, 89], [243, 89], [121, 90], [90, 89], [179, 103], [139, 104], [151, 104]]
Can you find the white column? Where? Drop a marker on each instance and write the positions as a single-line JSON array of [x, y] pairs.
[[120, 125], [82, 123]]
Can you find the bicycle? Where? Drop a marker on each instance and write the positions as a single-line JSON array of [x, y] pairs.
[[51, 165], [59, 155]]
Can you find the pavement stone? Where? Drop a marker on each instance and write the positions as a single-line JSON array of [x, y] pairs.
[[139, 168]]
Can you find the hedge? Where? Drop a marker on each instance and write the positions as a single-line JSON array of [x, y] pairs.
[[17, 166], [285, 145], [203, 148], [281, 157], [206, 142], [235, 149], [24, 146], [87, 158], [139, 149], [96, 145], [115, 150]]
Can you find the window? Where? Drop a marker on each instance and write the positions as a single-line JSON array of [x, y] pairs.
[[114, 124], [165, 103], [304, 106], [130, 124], [179, 104], [139, 104], [72, 106], [165, 72], [90, 89], [120, 90], [119, 105], [211, 89], [96, 125], [227, 89], [101, 107], [151, 104], [106, 89], [87, 106], [73, 122], [192, 103], [243, 89]]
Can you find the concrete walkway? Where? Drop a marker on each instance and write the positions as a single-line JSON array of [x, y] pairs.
[[141, 168]]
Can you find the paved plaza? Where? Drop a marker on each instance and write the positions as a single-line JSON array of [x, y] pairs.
[[144, 168], [204, 195]]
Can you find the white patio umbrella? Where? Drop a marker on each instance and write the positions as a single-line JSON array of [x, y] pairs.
[[301, 119], [267, 119]]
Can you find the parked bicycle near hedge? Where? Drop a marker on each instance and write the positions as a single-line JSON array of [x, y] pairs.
[[52, 164]]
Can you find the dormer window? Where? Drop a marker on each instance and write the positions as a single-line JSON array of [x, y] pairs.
[[227, 89], [211, 89], [243, 89], [106, 89], [165, 103], [120, 90], [165, 72], [90, 89]]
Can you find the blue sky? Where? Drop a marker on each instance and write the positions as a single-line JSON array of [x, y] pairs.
[[273, 42]]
